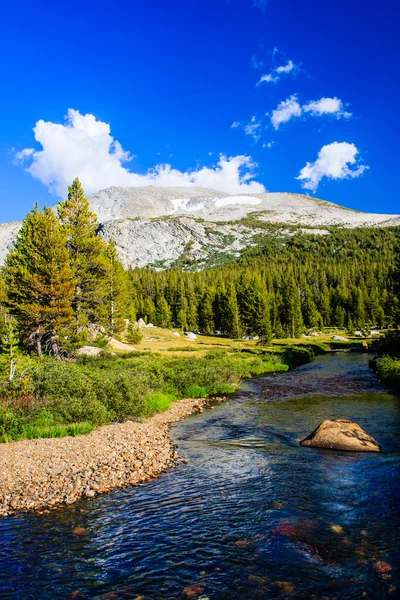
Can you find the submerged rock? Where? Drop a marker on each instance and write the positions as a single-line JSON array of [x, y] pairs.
[[341, 434], [192, 592], [381, 566]]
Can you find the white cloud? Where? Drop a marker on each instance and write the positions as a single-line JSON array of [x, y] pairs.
[[268, 78], [285, 68], [290, 108], [253, 128], [23, 155], [279, 72], [268, 144], [285, 111], [335, 161], [326, 106], [83, 147]]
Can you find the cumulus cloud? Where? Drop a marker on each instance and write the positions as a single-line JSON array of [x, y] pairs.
[[335, 161], [290, 108], [285, 111], [326, 106], [83, 147], [279, 72]]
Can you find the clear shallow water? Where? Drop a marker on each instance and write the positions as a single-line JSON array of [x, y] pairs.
[[252, 508]]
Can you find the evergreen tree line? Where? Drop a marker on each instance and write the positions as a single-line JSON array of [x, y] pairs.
[[60, 278], [346, 279]]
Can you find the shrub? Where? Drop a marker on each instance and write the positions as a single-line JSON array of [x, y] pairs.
[[388, 370], [98, 390], [160, 402], [197, 391]]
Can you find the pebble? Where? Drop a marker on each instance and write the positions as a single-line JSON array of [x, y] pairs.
[[192, 592], [44, 474], [380, 566]]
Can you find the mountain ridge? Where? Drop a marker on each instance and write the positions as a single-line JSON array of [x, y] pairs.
[[155, 225]]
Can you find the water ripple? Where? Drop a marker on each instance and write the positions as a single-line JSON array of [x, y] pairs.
[[252, 515]]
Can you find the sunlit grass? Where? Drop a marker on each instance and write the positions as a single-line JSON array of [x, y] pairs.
[[33, 432]]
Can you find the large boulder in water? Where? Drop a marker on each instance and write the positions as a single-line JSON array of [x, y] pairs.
[[341, 434]]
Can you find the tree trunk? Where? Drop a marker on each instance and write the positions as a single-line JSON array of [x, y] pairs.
[[39, 346]]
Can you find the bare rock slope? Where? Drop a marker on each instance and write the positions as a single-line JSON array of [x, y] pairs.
[[157, 225]]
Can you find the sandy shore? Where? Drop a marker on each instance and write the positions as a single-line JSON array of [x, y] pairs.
[[46, 473]]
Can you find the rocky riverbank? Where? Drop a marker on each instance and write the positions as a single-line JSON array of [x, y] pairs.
[[46, 473]]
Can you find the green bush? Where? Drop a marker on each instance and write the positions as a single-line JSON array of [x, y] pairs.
[[388, 370], [160, 402], [107, 388], [197, 391]]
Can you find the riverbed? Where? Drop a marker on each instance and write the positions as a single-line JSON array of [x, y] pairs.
[[252, 514]]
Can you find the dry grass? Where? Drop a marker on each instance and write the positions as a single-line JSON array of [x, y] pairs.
[[163, 340]]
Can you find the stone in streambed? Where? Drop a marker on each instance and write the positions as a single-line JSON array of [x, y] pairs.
[[192, 592], [381, 566], [341, 434]]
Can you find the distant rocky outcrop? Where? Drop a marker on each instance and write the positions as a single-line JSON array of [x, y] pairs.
[[8, 234], [157, 225], [341, 434]]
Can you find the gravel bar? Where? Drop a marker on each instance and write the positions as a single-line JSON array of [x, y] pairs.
[[43, 474]]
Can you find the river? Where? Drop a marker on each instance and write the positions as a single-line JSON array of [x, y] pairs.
[[252, 514]]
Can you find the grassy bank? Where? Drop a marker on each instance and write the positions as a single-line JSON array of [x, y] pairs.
[[388, 370], [57, 398], [387, 364]]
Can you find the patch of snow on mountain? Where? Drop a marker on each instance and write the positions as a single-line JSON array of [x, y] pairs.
[[219, 202], [186, 204]]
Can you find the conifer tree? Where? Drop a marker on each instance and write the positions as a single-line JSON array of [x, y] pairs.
[[254, 307], [191, 313], [115, 291], [229, 310], [206, 313], [290, 310], [40, 282], [396, 287], [87, 255], [134, 335], [181, 320], [149, 310], [164, 315]]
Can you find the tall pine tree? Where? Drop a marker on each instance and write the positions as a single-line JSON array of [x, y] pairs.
[[40, 283], [114, 286], [229, 310], [87, 254]]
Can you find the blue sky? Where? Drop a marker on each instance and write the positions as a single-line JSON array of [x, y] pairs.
[[167, 81]]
